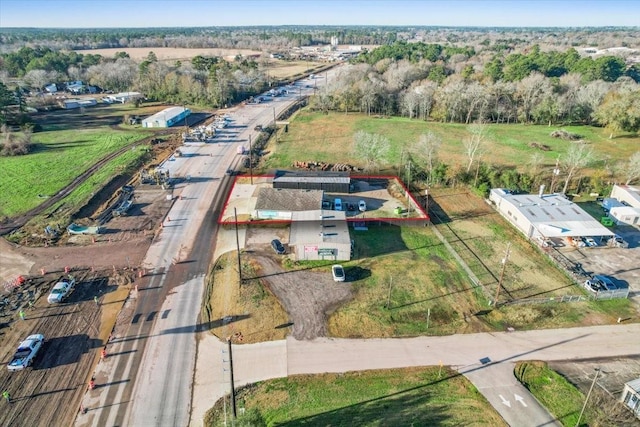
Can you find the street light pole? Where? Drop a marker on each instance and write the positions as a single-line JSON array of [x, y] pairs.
[[504, 265]]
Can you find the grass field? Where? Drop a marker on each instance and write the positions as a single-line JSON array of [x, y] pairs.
[[395, 397], [562, 399], [329, 138], [58, 158]]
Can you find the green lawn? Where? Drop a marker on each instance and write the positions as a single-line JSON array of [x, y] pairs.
[[329, 138], [58, 158], [394, 397]]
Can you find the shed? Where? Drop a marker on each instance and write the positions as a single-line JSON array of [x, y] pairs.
[[625, 215], [280, 203], [631, 396], [320, 235], [332, 182]]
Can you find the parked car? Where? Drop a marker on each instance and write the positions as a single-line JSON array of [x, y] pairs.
[[590, 242], [600, 283], [337, 204], [338, 273], [618, 242], [61, 290], [278, 247], [26, 353], [362, 206]]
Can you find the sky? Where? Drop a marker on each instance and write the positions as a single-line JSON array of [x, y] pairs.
[[209, 13]]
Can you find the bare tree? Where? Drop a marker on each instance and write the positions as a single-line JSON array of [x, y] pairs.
[[426, 150], [37, 79], [532, 90], [631, 168], [372, 148], [535, 163], [577, 157], [474, 143]]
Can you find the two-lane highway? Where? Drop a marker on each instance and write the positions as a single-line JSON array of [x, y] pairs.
[[148, 377]]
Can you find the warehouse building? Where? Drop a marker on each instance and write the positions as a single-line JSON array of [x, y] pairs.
[[329, 181], [167, 118], [546, 215], [320, 235]]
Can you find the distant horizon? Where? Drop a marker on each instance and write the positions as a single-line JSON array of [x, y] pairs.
[[139, 14]]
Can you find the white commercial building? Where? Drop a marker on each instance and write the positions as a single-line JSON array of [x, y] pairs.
[[546, 215], [627, 194], [167, 118]]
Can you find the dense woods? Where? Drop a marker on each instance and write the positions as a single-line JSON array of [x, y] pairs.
[[449, 75]]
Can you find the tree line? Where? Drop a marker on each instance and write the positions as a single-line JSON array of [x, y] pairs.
[[434, 82]]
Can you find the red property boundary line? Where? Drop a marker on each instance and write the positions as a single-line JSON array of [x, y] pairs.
[[423, 215]]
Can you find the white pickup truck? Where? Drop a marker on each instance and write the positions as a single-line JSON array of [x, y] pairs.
[[26, 352], [61, 290]]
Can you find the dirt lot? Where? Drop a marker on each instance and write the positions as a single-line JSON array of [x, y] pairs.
[[74, 331], [272, 302]]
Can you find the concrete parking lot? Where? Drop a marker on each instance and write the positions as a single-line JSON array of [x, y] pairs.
[[622, 265]]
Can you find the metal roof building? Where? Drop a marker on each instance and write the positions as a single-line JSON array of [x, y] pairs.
[[546, 215], [628, 194], [279, 203], [167, 117], [334, 182], [320, 235]]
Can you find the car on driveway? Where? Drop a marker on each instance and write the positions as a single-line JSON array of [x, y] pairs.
[[600, 283], [278, 247], [338, 273], [61, 290]]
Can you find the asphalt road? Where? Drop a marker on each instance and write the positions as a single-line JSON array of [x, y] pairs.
[[148, 377]]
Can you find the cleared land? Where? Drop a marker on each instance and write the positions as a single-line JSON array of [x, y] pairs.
[[329, 138], [75, 332]]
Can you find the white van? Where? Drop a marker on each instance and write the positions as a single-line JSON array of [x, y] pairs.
[[337, 204]]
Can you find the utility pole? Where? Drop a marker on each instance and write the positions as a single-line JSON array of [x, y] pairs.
[[250, 161], [593, 383], [504, 265], [556, 172], [235, 214], [233, 388]]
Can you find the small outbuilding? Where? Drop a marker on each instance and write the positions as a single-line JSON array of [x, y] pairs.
[[625, 215], [167, 117], [71, 103], [331, 182], [631, 396]]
